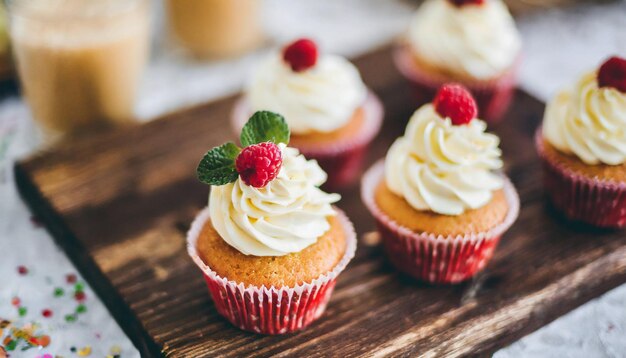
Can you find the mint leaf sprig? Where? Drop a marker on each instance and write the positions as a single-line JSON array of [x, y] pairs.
[[217, 167]]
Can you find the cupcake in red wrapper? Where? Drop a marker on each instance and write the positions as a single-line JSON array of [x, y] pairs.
[[270, 310], [439, 205], [332, 115], [582, 146], [270, 244], [470, 42]]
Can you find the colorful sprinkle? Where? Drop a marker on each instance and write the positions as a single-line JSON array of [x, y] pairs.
[[15, 301], [79, 286], [22, 270], [10, 346], [22, 311], [81, 309], [80, 296], [115, 350], [35, 221], [70, 278], [73, 349], [23, 338], [58, 292], [42, 341], [85, 351], [46, 313], [70, 318]]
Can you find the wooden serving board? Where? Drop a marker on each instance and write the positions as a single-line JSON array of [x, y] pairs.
[[120, 204]]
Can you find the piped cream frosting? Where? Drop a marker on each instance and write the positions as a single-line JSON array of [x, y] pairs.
[[287, 215], [320, 99], [472, 41], [589, 122], [442, 167]]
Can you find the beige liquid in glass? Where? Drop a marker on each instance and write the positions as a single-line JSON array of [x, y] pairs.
[[79, 61], [215, 28]]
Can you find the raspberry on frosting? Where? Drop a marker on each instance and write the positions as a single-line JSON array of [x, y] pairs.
[[259, 164], [456, 102], [612, 73], [301, 55], [459, 3]]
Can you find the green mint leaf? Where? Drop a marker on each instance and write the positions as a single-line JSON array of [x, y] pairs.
[[265, 126], [218, 165]]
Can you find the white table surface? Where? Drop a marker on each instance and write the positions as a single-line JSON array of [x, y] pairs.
[[559, 45]]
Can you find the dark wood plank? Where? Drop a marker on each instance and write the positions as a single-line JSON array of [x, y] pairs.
[[120, 204]]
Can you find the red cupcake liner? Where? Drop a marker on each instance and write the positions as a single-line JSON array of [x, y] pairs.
[[342, 160], [596, 202], [270, 310], [430, 257], [492, 96]]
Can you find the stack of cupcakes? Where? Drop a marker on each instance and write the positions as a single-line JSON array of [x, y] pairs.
[[331, 113], [582, 145], [472, 42], [270, 243], [438, 202]]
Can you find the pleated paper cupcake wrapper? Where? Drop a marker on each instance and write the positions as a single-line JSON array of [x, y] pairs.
[[342, 160], [492, 96], [270, 310], [430, 257], [595, 202]]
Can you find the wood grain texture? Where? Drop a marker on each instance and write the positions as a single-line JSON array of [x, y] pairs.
[[120, 205]]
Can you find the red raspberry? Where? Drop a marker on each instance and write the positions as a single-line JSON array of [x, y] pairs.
[[301, 54], [612, 73], [259, 164], [459, 3], [70, 278], [455, 101]]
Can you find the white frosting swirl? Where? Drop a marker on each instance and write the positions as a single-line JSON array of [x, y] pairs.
[[476, 41], [442, 167], [287, 215], [589, 122], [320, 99]]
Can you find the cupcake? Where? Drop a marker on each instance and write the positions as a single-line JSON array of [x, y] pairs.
[[582, 145], [473, 42], [270, 243], [332, 115], [439, 203]]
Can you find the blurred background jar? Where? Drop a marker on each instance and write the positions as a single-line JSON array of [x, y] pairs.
[[6, 67], [215, 28], [79, 61]]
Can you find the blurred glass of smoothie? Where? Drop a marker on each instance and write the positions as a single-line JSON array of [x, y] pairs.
[[79, 61], [215, 28]]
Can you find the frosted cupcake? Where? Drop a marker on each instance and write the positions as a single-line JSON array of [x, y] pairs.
[[270, 243], [473, 42], [438, 200], [331, 113], [582, 145]]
